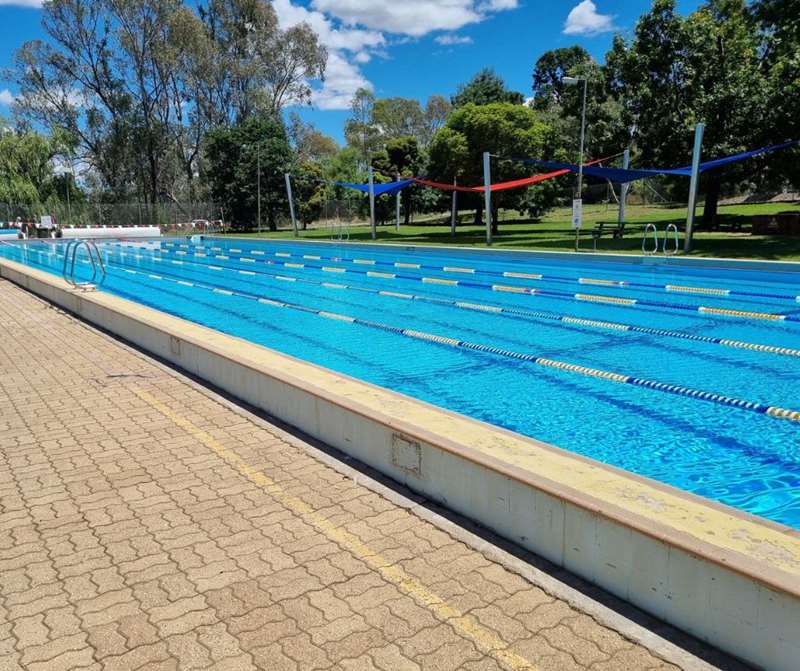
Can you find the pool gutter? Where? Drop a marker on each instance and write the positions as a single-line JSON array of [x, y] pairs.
[[729, 578]]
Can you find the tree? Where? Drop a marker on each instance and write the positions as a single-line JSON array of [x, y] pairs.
[[308, 143], [400, 158], [398, 117], [549, 73], [360, 130], [678, 71], [484, 88], [437, 109], [137, 83], [779, 24], [506, 129], [234, 155], [26, 167]]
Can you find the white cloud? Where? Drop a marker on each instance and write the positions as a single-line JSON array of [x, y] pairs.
[[452, 39], [7, 98], [585, 20], [355, 31], [34, 4]]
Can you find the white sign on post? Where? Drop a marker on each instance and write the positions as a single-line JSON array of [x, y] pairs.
[[45, 221], [577, 213]]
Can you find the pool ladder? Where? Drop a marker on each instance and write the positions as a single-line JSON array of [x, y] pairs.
[[666, 248], [70, 257]]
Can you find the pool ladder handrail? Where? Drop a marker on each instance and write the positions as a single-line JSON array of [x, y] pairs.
[[70, 257], [647, 229], [674, 249]]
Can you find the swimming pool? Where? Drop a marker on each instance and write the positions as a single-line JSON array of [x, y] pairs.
[[678, 374]]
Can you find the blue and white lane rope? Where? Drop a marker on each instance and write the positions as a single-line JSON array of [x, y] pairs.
[[619, 284], [514, 312], [720, 399], [592, 298]]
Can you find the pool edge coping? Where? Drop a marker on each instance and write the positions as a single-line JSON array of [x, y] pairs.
[[760, 569]]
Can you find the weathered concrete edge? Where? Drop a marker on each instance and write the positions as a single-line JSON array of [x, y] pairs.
[[573, 527]]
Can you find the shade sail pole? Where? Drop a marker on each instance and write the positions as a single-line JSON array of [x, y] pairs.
[[291, 201], [371, 203], [623, 190], [487, 195], [693, 185], [454, 208]]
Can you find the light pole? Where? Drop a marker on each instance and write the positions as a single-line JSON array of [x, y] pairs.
[[577, 203], [258, 181], [257, 145]]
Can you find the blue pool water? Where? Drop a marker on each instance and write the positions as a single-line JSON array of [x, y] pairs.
[[536, 363]]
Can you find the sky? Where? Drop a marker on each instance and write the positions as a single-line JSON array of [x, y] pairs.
[[409, 48]]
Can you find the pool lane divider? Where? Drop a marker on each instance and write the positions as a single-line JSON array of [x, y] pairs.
[[586, 371], [515, 312], [595, 298], [620, 284]]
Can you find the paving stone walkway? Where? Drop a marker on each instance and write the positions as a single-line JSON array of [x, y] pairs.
[[144, 524]]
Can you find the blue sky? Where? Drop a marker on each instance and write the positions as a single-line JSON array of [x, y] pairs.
[[410, 48]]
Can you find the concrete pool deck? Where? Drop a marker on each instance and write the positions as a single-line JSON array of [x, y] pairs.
[[146, 523]]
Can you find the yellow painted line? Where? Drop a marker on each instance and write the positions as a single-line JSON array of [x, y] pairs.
[[216, 268], [394, 294], [605, 299], [697, 290], [524, 276], [185, 283], [602, 283], [456, 269], [285, 279], [439, 280], [294, 265], [198, 254], [740, 313], [246, 272], [178, 251], [255, 251], [406, 265], [220, 256], [364, 262], [374, 273], [245, 259], [312, 257], [331, 269], [223, 291], [331, 285], [233, 249], [282, 254], [466, 625], [513, 290]]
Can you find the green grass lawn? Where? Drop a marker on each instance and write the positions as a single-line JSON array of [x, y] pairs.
[[553, 232]]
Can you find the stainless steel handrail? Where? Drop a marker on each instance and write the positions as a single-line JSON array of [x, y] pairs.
[[648, 229], [70, 258], [674, 250]]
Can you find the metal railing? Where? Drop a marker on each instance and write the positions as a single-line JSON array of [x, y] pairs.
[[676, 246], [647, 230], [70, 258]]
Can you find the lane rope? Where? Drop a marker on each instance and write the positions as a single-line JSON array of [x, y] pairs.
[[776, 412]]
